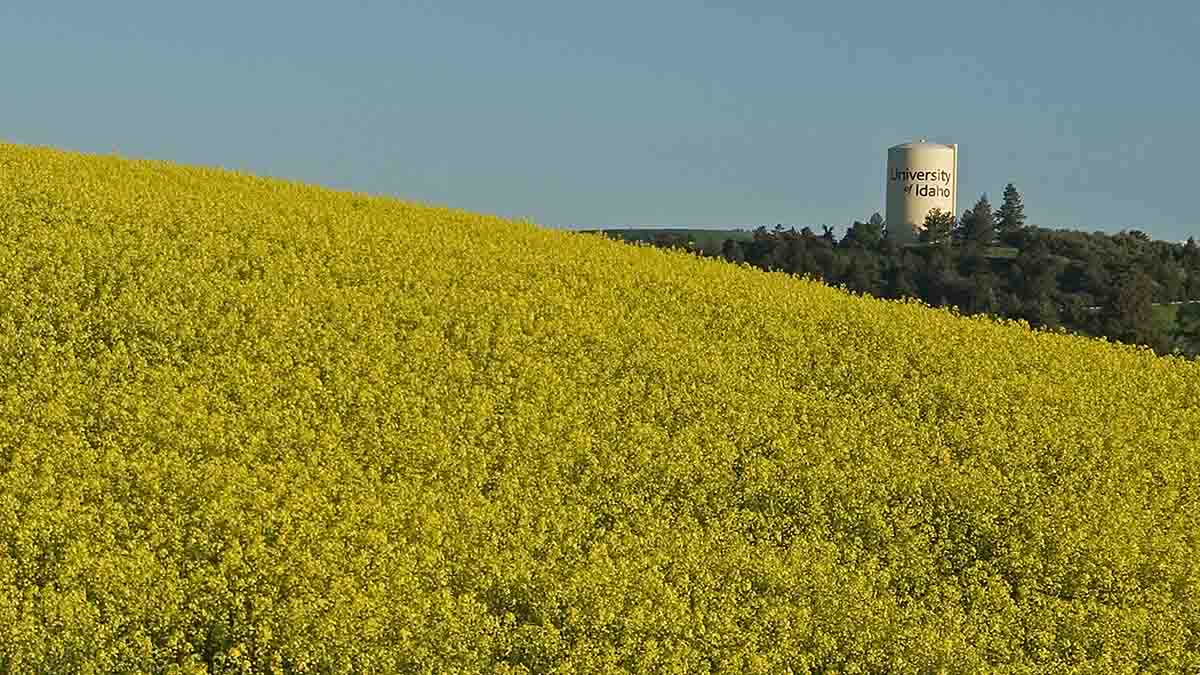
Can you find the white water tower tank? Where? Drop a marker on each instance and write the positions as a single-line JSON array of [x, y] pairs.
[[921, 177]]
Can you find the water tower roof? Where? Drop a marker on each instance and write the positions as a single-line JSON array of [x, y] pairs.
[[918, 144]]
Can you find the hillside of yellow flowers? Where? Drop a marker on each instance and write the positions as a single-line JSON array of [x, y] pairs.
[[249, 425]]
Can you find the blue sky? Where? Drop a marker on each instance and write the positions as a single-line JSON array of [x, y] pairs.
[[634, 113]]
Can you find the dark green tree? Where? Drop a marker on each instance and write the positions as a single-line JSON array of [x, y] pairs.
[[1011, 216], [864, 235], [938, 281], [1190, 259], [1128, 312], [1191, 252], [1034, 273], [1040, 311], [980, 228], [731, 250], [965, 222], [938, 226], [1187, 328], [862, 273], [899, 282]]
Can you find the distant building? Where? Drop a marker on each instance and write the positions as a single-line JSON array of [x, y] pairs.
[[921, 177]]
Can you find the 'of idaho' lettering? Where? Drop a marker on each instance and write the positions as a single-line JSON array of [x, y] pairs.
[[930, 191]]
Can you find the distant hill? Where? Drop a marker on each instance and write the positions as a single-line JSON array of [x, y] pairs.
[[1114, 286]]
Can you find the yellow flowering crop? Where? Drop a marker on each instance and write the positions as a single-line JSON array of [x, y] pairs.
[[248, 425]]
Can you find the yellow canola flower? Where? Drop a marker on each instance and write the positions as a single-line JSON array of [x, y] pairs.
[[253, 425]]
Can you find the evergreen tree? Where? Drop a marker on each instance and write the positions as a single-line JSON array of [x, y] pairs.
[[1128, 314], [981, 228], [1036, 272], [865, 235], [1041, 312], [862, 273], [938, 226], [899, 282], [1187, 328], [965, 222], [1011, 213], [731, 250]]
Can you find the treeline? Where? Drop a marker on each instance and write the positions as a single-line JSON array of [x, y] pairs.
[[1126, 286]]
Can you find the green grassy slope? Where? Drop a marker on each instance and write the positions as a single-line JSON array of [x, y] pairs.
[[249, 425]]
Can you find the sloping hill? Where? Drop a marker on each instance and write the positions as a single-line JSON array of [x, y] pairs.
[[246, 423]]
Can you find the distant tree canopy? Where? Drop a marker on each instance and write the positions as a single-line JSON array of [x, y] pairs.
[[938, 227], [1128, 312], [991, 262], [979, 224], [1012, 212], [868, 235]]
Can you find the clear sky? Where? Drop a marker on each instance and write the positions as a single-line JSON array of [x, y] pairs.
[[634, 113]]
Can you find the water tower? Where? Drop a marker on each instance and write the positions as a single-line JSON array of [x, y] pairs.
[[921, 177]]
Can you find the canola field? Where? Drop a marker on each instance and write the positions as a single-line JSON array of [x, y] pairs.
[[248, 425]]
